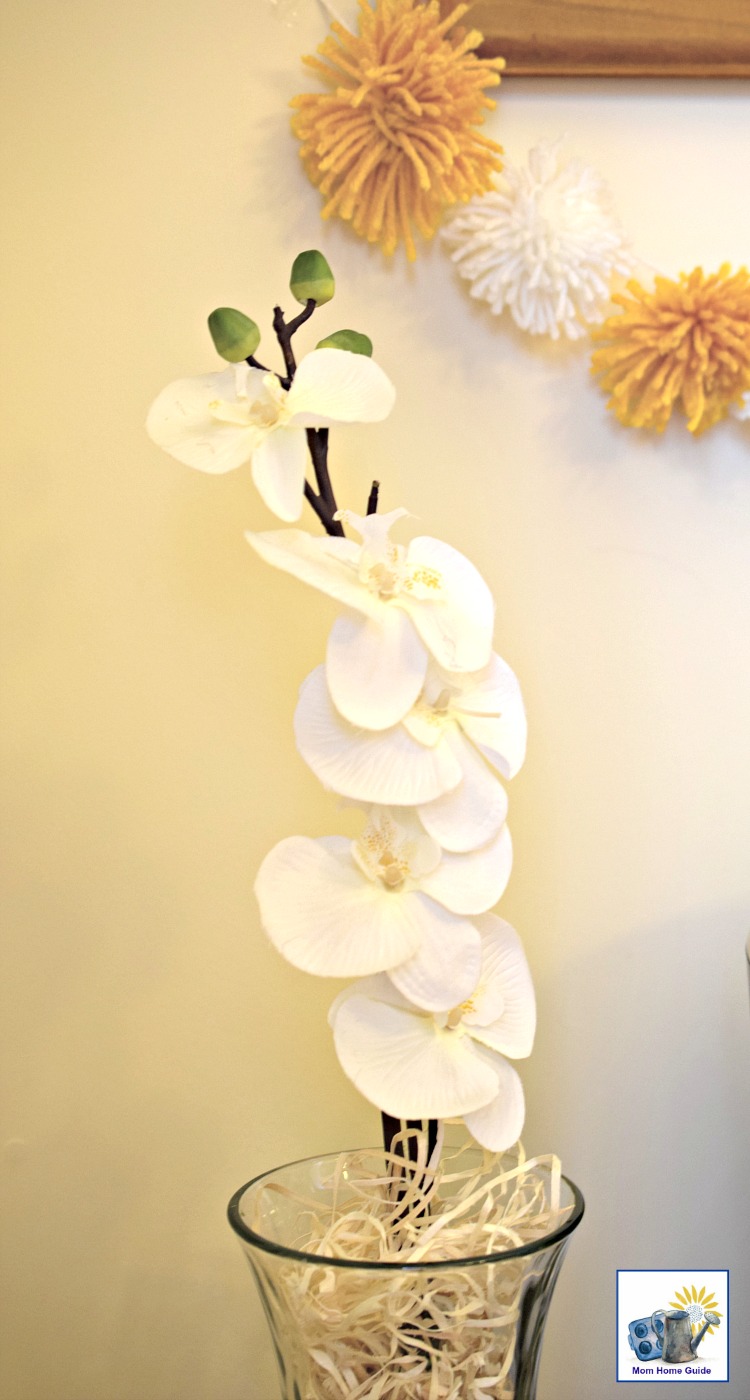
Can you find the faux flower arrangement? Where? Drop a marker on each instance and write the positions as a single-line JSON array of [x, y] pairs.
[[416, 721], [396, 148], [413, 717]]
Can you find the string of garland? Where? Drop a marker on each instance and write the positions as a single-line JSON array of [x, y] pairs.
[[395, 146]]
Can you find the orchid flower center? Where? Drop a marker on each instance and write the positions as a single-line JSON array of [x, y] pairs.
[[384, 577], [266, 411], [422, 581], [449, 704], [382, 853], [383, 566], [456, 1016], [393, 854], [436, 714], [392, 871], [392, 575]]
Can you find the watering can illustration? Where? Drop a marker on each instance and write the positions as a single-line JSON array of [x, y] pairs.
[[678, 1343]]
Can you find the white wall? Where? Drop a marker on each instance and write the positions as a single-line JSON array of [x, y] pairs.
[[151, 670]]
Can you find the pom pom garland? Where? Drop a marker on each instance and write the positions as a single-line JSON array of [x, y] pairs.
[[685, 344], [545, 244], [394, 144], [395, 141]]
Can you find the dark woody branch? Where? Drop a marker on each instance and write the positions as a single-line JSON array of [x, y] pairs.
[[324, 503]]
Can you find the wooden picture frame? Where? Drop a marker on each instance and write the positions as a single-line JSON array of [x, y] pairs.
[[616, 38]]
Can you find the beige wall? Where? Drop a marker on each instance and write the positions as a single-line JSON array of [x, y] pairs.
[[157, 1051]]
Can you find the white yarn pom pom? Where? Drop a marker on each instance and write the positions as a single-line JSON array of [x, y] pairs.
[[546, 244]]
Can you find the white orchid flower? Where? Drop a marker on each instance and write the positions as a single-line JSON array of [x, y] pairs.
[[434, 759], [219, 421], [481, 717], [404, 604], [414, 1064], [391, 901]]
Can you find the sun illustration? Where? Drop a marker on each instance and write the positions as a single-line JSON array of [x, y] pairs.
[[696, 1305]]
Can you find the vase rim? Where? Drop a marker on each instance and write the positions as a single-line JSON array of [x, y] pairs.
[[250, 1236]]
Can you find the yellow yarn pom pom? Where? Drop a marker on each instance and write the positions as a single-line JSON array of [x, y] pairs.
[[395, 142], [687, 342]]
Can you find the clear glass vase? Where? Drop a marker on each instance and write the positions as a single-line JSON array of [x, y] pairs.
[[436, 1329]]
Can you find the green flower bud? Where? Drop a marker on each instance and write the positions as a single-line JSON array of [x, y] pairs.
[[233, 333], [311, 277], [354, 341]]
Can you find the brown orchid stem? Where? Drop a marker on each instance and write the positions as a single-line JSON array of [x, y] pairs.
[[393, 1126], [391, 1130], [317, 442], [285, 332], [415, 1126], [372, 499], [331, 526], [324, 503], [303, 316]]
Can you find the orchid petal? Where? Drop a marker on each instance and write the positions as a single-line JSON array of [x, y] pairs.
[[504, 1007], [388, 767], [278, 470], [336, 386], [404, 1064], [455, 622], [180, 421], [374, 531], [379, 987], [327, 562], [446, 968], [492, 715], [326, 918], [374, 667], [471, 813], [473, 882], [497, 1125]]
